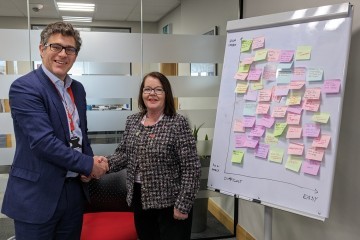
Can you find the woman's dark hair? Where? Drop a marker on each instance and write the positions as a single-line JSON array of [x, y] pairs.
[[169, 109], [66, 29]]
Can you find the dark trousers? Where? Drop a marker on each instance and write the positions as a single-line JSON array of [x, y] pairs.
[[65, 224], [159, 224]]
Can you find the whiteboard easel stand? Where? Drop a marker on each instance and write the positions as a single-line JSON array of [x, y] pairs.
[[268, 223]]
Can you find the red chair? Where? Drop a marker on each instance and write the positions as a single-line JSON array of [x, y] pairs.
[[108, 216]]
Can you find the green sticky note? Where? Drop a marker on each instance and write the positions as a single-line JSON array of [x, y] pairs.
[[321, 117], [244, 68], [276, 154], [279, 129], [293, 163], [260, 55], [237, 156], [303, 53], [245, 45]]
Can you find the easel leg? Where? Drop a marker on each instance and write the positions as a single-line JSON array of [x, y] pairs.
[[268, 223]]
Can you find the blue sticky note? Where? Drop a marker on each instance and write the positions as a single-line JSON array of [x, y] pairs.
[[284, 76], [249, 109]]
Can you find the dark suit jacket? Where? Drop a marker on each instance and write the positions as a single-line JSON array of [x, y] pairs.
[[43, 156]]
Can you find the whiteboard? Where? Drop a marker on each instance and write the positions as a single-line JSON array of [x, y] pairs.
[[326, 31]]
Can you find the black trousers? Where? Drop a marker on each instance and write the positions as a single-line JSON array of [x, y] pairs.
[[158, 224]]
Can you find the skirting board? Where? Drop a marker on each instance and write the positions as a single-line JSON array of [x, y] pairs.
[[228, 222]]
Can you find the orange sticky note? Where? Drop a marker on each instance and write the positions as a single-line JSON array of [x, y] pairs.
[[315, 154], [295, 149], [322, 141], [294, 132], [279, 112]]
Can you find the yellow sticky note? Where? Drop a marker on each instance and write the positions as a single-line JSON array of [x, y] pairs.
[[244, 68], [303, 53], [237, 156], [293, 164], [241, 88], [257, 86], [260, 55], [271, 139], [279, 129], [293, 99], [245, 45], [321, 117], [276, 154]]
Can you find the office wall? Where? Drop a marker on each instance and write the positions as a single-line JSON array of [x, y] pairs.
[[343, 222]]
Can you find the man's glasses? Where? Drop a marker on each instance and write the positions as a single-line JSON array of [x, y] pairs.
[[157, 91], [58, 48]]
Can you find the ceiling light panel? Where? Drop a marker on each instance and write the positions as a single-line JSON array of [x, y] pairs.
[[76, 19], [77, 7]]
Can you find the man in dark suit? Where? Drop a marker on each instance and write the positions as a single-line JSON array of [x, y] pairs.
[[44, 194]]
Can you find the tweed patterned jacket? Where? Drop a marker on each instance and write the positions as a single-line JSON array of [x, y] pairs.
[[165, 156]]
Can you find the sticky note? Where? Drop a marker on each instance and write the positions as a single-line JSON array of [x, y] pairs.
[[311, 130], [294, 132], [295, 149], [281, 90], [299, 74], [294, 109], [269, 73], [273, 55], [311, 105], [260, 55], [286, 55], [237, 156], [258, 42], [279, 111], [271, 139], [245, 45], [276, 154], [322, 141], [331, 86], [293, 99], [249, 121], [293, 164], [251, 95], [244, 68], [296, 84], [262, 108], [266, 121], [314, 74], [262, 150], [312, 93], [321, 117], [240, 140], [251, 142], [254, 74], [264, 95], [283, 76], [256, 85], [248, 60], [310, 167], [279, 129], [257, 131], [238, 126], [285, 66], [241, 87], [241, 76], [293, 118], [314, 153], [303, 53]]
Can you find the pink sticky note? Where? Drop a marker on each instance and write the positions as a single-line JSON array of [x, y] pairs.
[[322, 141], [238, 126], [240, 140], [249, 121], [262, 150], [251, 95], [296, 84], [294, 109], [257, 131], [248, 60], [315, 153], [262, 108], [258, 42], [279, 111], [254, 74], [331, 86], [251, 142], [281, 90], [274, 98], [311, 105], [286, 55], [299, 73], [295, 149], [293, 119], [269, 73], [266, 121], [273, 55], [264, 95], [310, 167], [311, 130], [241, 76], [312, 93], [294, 132]]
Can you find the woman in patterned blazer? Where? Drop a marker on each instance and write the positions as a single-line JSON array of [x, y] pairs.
[[163, 168]]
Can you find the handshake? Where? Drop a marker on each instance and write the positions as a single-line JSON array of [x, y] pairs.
[[100, 167]]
